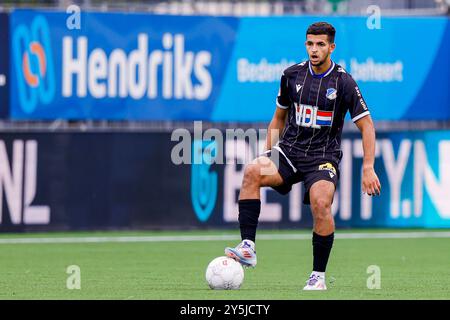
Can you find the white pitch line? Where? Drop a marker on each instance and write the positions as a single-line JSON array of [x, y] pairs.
[[174, 238]]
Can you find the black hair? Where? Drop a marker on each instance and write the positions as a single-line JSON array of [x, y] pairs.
[[322, 28]]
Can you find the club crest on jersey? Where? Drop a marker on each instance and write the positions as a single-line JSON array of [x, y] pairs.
[[331, 93], [312, 117], [329, 167]]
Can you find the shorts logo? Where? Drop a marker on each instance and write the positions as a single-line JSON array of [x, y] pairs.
[[331, 93], [203, 180], [329, 167], [33, 64]]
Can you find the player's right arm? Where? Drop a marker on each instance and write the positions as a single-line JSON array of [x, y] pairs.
[[276, 127], [278, 121]]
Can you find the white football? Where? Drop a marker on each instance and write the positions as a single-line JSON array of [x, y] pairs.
[[224, 273]]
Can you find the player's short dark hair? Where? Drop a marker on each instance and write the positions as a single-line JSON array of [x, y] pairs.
[[322, 28]]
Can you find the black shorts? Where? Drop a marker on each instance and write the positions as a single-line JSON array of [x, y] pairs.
[[309, 170]]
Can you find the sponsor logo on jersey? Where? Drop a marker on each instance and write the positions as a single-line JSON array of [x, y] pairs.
[[361, 100], [311, 116], [298, 87]]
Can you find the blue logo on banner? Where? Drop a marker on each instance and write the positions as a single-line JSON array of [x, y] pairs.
[[203, 181], [33, 63]]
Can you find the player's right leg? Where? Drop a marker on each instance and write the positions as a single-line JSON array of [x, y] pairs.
[[261, 172]]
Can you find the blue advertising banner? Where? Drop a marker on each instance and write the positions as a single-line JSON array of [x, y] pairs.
[[414, 172], [4, 66], [117, 65], [150, 67], [397, 84], [130, 180]]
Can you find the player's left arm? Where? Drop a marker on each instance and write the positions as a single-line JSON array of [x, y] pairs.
[[360, 115], [370, 182]]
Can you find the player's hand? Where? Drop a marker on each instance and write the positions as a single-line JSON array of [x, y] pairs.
[[370, 183]]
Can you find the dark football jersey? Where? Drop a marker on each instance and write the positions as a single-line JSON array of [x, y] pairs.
[[317, 106]]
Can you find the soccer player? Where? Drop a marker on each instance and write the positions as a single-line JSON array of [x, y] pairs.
[[303, 144]]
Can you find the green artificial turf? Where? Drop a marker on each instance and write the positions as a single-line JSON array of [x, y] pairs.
[[410, 268]]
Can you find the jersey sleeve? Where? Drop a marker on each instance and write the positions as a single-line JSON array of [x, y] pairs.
[[354, 99], [283, 100]]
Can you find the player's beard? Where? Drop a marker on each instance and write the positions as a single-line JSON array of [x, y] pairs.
[[321, 62]]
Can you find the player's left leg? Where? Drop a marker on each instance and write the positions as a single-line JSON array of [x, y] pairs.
[[321, 197]]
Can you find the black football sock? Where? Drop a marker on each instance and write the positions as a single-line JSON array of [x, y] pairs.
[[248, 217], [321, 251]]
